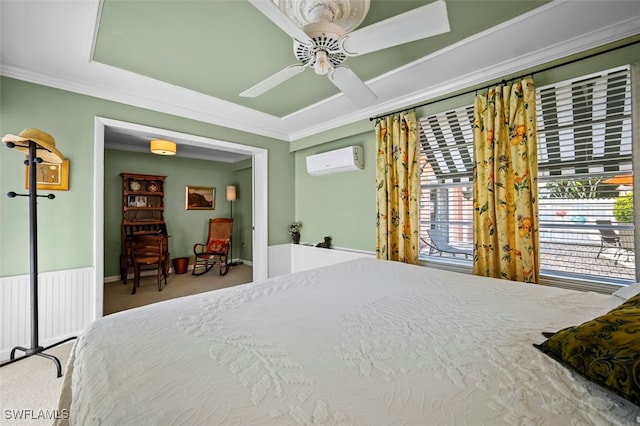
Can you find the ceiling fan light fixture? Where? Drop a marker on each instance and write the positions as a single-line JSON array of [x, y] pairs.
[[322, 65], [348, 14], [162, 147], [322, 38]]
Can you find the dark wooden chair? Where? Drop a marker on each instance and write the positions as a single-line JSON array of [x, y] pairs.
[[216, 250], [146, 251]]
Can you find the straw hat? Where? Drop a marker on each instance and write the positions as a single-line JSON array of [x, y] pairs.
[[46, 144]]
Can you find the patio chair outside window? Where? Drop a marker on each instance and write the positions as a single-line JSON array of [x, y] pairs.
[[626, 246], [609, 238], [438, 243]]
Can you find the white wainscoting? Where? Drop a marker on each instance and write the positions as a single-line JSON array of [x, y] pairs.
[[66, 304], [287, 258], [279, 260]]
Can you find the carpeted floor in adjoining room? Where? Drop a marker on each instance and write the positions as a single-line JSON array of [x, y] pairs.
[[118, 297]]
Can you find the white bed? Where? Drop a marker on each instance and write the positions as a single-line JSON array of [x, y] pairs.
[[366, 342]]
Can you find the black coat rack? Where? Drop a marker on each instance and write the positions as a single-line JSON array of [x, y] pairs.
[[35, 349]]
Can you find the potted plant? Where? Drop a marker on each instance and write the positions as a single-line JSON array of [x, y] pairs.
[[623, 212], [623, 208], [294, 231]]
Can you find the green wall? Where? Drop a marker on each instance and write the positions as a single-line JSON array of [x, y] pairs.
[[343, 205], [65, 224], [340, 205], [186, 227], [243, 222]]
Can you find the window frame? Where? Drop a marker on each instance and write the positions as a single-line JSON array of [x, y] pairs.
[[548, 277]]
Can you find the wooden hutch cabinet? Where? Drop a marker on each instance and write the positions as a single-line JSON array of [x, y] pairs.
[[142, 213]]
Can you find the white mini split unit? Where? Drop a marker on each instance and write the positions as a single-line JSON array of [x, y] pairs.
[[338, 161]]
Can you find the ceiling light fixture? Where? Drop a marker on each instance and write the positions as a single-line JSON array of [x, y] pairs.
[[322, 65], [162, 147]]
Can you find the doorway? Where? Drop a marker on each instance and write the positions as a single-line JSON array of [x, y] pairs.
[[259, 194]]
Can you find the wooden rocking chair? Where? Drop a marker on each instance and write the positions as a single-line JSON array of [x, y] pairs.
[[216, 250]]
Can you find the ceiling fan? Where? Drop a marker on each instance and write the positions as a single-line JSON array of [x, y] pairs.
[[322, 38]]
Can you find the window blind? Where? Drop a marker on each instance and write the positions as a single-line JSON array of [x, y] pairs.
[[584, 140]]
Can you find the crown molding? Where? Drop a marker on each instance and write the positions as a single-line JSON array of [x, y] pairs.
[[158, 96], [567, 43], [434, 75]]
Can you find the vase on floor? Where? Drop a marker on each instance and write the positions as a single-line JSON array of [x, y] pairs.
[[180, 265]]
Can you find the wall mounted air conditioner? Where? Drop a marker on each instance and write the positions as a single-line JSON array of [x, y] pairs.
[[337, 161]]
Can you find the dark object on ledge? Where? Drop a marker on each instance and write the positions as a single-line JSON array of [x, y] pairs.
[[295, 237], [325, 244]]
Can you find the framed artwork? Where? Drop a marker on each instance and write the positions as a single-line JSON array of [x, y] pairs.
[[200, 198], [141, 201], [50, 176]]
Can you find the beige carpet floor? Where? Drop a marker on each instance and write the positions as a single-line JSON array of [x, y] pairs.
[[29, 388], [118, 297]]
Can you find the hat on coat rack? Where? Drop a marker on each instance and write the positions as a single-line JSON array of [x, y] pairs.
[[46, 144]]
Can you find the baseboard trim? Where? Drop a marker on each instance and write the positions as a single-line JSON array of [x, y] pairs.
[[148, 273]]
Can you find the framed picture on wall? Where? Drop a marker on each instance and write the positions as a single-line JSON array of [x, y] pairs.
[[200, 198], [141, 201], [50, 176]]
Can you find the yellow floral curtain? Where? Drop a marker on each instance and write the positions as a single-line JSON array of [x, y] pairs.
[[505, 189], [397, 188]]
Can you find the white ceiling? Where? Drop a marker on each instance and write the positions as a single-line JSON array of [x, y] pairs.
[[51, 42], [134, 140]]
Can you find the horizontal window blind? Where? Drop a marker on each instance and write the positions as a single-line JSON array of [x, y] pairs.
[[584, 126], [585, 154], [445, 141]]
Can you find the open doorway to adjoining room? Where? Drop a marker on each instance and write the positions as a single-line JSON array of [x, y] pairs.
[[259, 191]]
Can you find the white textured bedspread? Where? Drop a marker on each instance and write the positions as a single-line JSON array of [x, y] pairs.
[[366, 342]]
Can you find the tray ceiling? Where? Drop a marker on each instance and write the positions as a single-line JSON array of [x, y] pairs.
[[192, 58]]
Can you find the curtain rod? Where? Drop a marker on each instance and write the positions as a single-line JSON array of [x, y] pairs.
[[504, 81]]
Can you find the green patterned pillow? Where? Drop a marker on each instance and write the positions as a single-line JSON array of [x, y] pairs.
[[605, 350]]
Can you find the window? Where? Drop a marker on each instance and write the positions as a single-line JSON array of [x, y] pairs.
[[584, 186], [446, 204]]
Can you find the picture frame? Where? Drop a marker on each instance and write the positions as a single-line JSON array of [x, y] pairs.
[[50, 176], [200, 198], [141, 201]]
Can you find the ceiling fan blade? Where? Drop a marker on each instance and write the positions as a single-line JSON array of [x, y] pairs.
[[352, 87], [273, 12], [271, 82], [422, 22]]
